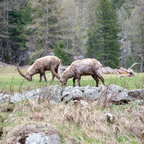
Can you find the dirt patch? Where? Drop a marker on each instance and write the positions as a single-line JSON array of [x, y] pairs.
[[2, 64]]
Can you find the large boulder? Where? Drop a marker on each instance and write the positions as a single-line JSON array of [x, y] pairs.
[[34, 133], [116, 94], [52, 93], [71, 94], [91, 94], [136, 94], [42, 138]]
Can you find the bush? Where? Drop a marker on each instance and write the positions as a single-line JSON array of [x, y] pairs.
[[60, 53]]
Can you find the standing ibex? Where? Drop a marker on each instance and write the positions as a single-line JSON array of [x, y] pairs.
[[40, 66], [82, 67]]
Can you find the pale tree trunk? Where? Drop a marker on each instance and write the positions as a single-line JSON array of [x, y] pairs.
[[69, 23], [142, 60], [4, 25], [47, 31], [141, 66], [8, 48]]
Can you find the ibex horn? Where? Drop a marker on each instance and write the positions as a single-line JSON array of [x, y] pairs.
[[133, 65], [20, 72]]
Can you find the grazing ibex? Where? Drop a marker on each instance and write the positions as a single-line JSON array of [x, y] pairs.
[[82, 67], [40, 66]]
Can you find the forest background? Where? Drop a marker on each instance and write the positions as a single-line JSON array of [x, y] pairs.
[[73, 29]]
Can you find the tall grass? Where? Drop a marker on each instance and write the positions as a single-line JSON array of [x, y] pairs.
[[78, 124], [11, 81]]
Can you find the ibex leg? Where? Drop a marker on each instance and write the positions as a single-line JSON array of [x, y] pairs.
[[98, 74], [74, 82], [96, 79], [44, 77], [40, 78], [78, 78]]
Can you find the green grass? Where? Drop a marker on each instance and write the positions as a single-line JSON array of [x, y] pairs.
[[11, 81]]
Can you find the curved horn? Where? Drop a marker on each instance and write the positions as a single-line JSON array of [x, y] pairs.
[[20, 72], [133, 65]]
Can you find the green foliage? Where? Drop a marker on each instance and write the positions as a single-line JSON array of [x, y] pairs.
[[103, 41], [45, 26], [142, 39], [118, 3], [129, 61], [18, 20], [14, 17], [60, 52]]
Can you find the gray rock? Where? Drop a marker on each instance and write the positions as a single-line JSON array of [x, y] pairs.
[[53, 93], [4, 97], [122, 96], [136, 94], [82, 88], [101, 89], [35, 133], [91, 94], [72, 95], [42, 138], [26, 95], [116, 94], [69, 88], [115, 88]]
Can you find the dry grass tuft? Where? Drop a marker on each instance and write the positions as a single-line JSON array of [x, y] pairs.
[[80, 124]]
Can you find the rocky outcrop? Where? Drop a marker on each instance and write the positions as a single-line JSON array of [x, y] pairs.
[[56, 94]]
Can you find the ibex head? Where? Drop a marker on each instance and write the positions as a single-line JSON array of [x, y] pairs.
[[63, 81], [130, 71], [27, 76]]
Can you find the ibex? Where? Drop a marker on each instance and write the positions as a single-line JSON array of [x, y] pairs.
[[130, 72], [40, 66], [82, 67]]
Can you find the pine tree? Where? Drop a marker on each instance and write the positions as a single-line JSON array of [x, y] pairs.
[[105, 39], [18, 20], [14, 15], [60, 53]]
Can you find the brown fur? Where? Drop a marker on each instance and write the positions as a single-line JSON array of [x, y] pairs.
[[82, 67], [41, 65]]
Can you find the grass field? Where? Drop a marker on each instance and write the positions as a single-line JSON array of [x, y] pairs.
[[77, 124], [11, 81]]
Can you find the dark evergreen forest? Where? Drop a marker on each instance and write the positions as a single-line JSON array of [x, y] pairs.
[[110, 31]]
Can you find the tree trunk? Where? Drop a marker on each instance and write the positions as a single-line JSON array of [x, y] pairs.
[[141, 66], [47, 10]]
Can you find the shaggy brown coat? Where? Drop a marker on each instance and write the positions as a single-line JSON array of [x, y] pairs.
[[82, 67], [40, 66]]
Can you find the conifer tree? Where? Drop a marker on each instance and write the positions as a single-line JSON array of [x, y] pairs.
[[45, 28], [105, 44], [60, 53], [18, 20]]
